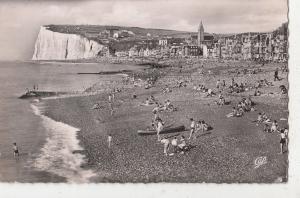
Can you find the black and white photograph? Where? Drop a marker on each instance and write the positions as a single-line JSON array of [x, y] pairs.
[[144, 91]]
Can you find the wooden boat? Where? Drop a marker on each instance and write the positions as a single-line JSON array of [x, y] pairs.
[[107, 72], [164, 131]]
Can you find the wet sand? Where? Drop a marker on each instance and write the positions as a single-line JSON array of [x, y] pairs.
[[225, 154]]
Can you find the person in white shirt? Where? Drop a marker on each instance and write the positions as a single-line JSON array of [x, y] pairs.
[[174, 144], [282, 140], [182, 144], [159, 128], [193, 125], [166, 143], [109, 140], [274, 126]]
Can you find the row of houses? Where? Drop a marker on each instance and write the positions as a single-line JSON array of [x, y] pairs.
[[271, 46]]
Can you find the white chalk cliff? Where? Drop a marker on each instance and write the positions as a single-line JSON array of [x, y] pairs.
[[62, 46]]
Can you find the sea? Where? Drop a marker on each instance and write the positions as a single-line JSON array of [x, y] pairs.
[[45, 146]]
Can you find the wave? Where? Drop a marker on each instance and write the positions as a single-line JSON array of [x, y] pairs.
[[57, 154]]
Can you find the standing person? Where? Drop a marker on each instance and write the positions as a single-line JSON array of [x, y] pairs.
[[218, 84], [193, 124], [159, 128], [110, 98], [224, 83], [113, 95], [16, 150], [282, 140], [156, 116], [276, 75], [109, 140], [166, 143], [110, 103]]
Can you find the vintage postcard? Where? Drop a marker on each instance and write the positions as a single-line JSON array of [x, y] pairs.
[[147, 91]]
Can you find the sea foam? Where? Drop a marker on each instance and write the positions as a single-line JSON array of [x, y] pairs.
[[57, 154]]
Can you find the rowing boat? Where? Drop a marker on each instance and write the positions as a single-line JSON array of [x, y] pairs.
[[165, 130]]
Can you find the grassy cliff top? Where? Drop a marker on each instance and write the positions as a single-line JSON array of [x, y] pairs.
[[83, 29]]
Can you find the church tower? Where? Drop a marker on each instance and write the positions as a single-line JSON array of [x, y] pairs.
[[200, 34]]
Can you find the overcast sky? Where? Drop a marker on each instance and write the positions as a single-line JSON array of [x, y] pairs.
[[20, 20]]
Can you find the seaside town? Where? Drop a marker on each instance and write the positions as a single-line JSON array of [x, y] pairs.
[[251, 46]]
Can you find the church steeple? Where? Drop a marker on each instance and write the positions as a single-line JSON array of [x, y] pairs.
[[200, 34]]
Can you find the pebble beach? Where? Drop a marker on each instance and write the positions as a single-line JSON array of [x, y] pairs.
[[225, 154]]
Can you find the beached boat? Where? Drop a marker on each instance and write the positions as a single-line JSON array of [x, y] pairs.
[[164, 131]]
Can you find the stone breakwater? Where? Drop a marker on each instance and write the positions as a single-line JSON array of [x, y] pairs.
[[60, 46]]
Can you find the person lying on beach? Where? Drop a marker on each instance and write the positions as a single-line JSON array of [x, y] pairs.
[[234, 113], [266, 119], [210, 92], [267, 83], [166, 144], [147, 103], [97, 106]]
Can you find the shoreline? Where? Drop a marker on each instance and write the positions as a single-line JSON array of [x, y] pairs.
[[139, 159], [71, 159]]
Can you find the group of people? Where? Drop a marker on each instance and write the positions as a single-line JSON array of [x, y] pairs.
[[236, 88], [175, 145], [166, 90], [245, 105], [264, 82], [149, 83], [273, 128], [201, 88], [262, 118], [220, 85], [201, 125], [167, 106]]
